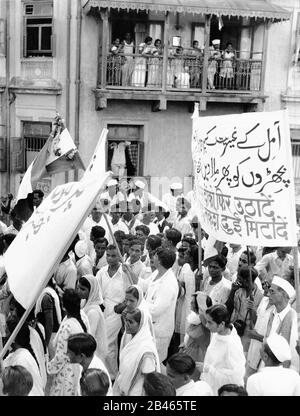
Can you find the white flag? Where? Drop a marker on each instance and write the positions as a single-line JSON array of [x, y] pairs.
[[97, 164]]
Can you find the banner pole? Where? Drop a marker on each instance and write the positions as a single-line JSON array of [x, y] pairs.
[[297, 288], [200, 247], [116, 244], [198, 281]]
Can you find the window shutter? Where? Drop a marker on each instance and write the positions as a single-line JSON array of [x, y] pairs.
[[3, 159], [17, 154], [140, 171]]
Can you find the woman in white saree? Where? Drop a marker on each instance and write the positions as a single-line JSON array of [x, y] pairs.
[[134, 298], [66, 375], [88, 289], [138, 357]]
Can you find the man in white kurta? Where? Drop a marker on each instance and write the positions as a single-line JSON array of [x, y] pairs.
[[113, 284], [161, 298], [276, 263], [283, 319], [274, 379]]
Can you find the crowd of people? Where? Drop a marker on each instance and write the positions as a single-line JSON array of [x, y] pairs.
[[142, 66], [146, 303]]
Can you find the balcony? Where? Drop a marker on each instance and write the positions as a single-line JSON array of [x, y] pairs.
[[179, 77]]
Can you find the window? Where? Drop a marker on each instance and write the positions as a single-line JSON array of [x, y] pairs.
[[35, 136], [125, 150], [38, 29]]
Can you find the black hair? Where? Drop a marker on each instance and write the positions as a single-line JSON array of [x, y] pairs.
[[99, 388], [233, 388], [144, 228], [17, 381], [182, 363], [153, 241], [208, 302], [39, 192], [111, 247], [219, 313], [132, 290], [136, 314], [194, 254], [71, 302], [221, 260], [101, 240], [82, 344], [166, 257], [136, 242], [119, 234], [147, 39], [22, 337], [83, 281], [191, 241], [97, 231], [157, 384], [174, 236]]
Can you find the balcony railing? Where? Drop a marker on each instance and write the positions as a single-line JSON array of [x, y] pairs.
[[183, 72]]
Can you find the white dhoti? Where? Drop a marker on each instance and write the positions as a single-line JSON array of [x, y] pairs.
[[162, 345], [113, 326]]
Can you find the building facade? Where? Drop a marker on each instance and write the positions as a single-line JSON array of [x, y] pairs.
[[64, 55]]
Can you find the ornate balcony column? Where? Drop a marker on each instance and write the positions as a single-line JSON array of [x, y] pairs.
[[104, 46]]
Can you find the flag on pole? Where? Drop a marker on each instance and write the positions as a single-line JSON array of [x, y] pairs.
[[97, 163], [53, 225], [59, 154]]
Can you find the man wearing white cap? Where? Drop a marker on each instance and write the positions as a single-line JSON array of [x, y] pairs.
[[274, 379], [170, 199], [113, 195], [141, 195], [215, 54], [283, 320], [83, 263]]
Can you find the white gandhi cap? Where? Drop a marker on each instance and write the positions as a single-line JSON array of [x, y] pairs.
[[139, 184], [285, 285], [216, 42], [112, 182], [279, 347], [176, 185]]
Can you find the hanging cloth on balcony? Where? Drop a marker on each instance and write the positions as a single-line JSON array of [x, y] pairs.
[[255, 8]]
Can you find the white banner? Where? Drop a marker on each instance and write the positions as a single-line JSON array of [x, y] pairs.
[[244, 178], [39, 246]]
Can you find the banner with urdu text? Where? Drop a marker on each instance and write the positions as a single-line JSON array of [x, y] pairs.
[[244, 181], [42, 241]]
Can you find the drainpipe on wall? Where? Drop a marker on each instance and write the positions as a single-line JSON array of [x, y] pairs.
[[68, 72], [78, 80], [7, 105]]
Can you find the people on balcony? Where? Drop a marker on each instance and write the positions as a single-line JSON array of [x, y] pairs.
[[215, 55], [128, 65], [140, 63], [195, 65], [114, 63], [180, 69], [227, 72], [155, 66]]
